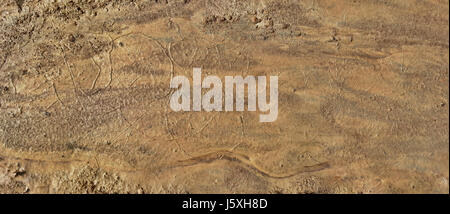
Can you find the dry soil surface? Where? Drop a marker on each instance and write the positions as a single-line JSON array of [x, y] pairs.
[[363, 96]]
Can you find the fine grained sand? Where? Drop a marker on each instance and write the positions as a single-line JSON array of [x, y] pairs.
[[363, 96]]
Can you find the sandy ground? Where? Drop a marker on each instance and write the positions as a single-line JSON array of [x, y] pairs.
[[363, 96]]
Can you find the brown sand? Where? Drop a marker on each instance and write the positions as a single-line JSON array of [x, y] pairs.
[[363, 96]]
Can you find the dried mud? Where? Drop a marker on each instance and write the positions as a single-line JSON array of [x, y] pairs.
[[363, 96]]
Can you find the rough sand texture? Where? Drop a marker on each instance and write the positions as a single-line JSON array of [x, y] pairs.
[[363, 96]]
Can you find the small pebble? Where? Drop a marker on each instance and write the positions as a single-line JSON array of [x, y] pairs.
[[255, 20]]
